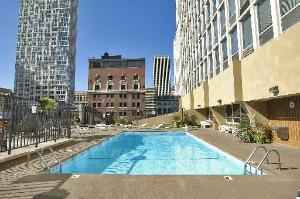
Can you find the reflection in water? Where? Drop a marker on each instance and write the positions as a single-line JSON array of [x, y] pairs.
[[152, 154]]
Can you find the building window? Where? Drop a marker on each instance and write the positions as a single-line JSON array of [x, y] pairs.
[[264, 21], [234, 42], [232, 11], [225, 54], [223, 20], [125, 104], [204, 45], [244, 4], [217, 60], [111, 104], [109, 87], [123, 77], [290, 13], [138, 96], [215, 30], [135, 86], [135, 77], [110, 77], [211, 70], [138, 104], [94, 105], [206, 70], [201, 73], [207, 12], [197, 76], [133, 96], [287, 5], [107, 104], [224, 49], [120, 105], [133, 104], [209, 38], [123, 87], [215, 5], [97, 85], [125, 96], [247, 32]]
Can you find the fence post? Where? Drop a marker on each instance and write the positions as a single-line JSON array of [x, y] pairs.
[[36, 134], [11, 122], [69, 122]]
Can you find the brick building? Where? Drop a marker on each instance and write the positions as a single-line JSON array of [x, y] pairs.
[[116, 87]]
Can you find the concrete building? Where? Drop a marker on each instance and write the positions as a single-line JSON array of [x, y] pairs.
[[45, 54], [167, 104], [161, 75], [239, 58], [159, 105], [116, 87], [150, 102]]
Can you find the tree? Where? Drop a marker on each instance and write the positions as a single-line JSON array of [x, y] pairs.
[[47, 104]]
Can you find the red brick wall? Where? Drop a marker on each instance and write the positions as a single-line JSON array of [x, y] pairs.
[[104, 96], [103, 73]]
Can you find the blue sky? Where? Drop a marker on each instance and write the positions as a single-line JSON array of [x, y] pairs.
[[133, 28]]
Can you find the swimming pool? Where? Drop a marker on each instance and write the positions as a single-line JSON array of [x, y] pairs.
[[152, 153]]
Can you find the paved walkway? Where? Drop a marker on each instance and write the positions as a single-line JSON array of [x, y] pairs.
[[24, 182], [290, 157], [13, 183]]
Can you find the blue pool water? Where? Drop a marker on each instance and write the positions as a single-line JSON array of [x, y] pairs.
[[155, 153]]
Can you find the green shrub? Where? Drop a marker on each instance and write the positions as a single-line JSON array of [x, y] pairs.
[[248, 134]]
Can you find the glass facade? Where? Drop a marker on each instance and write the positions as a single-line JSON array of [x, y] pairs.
[[213, 33], [234, 42], [45, 54]]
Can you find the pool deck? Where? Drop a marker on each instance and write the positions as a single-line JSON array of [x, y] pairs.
[[16, 153], [282, 184]]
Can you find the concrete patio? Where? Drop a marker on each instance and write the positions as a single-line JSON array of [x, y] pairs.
[[277, 184]]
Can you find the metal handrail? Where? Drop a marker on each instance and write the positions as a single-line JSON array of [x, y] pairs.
[[252, 155], [266, 157]]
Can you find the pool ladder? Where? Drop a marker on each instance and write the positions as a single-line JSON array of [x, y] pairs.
[[248, 162]]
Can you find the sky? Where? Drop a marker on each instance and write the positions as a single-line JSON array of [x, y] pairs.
[[133, 28]]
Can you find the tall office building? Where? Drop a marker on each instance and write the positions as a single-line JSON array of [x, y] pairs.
[[150, 102], [238, 58], [161, 75], [45, 57]]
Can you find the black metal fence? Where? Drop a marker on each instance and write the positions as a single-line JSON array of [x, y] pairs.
[[22, 126]]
